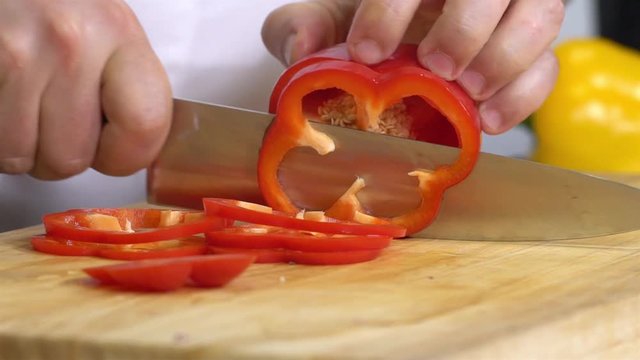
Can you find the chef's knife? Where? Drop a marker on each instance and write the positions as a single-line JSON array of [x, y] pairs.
[[212, 151]]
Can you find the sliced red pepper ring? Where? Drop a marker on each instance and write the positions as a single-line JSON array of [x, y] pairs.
[[129, 226], [314, 221], [268, 237], [55, 246], [269, 256], [178, 248], [171, 274], [373, 90], [193, 245]]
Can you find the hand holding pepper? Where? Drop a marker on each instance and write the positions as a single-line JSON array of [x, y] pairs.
[[498, 50]]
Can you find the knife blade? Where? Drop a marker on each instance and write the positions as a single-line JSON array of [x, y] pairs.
[[212, 151]]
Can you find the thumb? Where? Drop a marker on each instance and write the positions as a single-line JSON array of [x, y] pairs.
[[296, 30]]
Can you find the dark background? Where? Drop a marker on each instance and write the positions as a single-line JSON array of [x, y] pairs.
[[619, 20]]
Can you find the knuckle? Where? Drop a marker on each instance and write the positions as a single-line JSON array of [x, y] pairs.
[[536, 29], [66, 27], [514, 61], [465, 30], [502, 72], [341, 12], [15, 53], [464, 26], [547, 22], [68, 33], [391, 8], [554, 12]]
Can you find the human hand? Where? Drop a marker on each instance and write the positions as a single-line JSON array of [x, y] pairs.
[[64, 66], [498, 50]]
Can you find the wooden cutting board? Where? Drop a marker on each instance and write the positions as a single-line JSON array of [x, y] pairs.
[[422, 299]]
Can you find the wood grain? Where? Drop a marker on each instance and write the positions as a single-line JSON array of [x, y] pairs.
[[422, 299]]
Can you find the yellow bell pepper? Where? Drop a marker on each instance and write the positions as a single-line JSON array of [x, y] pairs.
[[591, 120]]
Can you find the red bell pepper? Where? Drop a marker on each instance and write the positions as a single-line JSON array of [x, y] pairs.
[[170, 274], [218, 270], [268, 237], [396, 97], [143, 275], [54, 246], [160, 249], [129, 226], [269, 256], [259, 214]]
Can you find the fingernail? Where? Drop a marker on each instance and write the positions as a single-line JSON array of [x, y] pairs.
[[491, 119], [440, 64], [472, 81], [368, 51], [287, 52]]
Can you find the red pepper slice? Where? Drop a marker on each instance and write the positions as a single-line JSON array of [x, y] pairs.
[[259, 214], [101, 274], [374, 89], [160, 249], [171, 274], [55, 246], [268, 256], [218, 270], [148, 275], [267, 237], [181, 248], [129, 226]]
